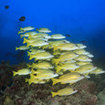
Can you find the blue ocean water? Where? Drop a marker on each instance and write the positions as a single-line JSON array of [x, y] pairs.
[[84, 20]]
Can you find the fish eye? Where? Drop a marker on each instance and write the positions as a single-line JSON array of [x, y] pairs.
[[35, 69], [35, 74]]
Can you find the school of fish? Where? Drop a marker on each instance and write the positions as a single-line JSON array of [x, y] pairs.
[[53, 58]]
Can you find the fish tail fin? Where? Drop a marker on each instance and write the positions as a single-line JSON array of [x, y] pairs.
[[28, 44], [55, 48], [21, 28], [18, 32], [17, 48], [54, 81], [36, 29], [21, 36], [14, 73], [30, 57], [28, 65], [25, 40], [29, 36], [28, 53], [55, 61], [34, 72], [54, 94], [58, 68], [26, 80]]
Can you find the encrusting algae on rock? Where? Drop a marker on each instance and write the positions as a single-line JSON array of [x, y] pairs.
[[55, 59]]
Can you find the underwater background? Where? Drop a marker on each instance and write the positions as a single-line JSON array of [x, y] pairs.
[[81, 21]]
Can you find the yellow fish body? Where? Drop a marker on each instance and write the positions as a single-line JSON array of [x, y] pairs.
[[35, 81], [81, 52], [28, 33], [66, 66], [41, 55], [46, 75], [57, 36], [40, 71], [34, 51], [64, 92], [44, 30], [23, 71], [39, 35], [97, 71], [80, 63], [83, 58], [66, 46], [68, 78], [64, 57], [37, 43], [56, 43], [80, 46], [27, 28], [22, 48], [42, 65], [85, 69]]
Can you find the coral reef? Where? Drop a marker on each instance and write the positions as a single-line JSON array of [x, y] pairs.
[[101, 98], [20, 93]]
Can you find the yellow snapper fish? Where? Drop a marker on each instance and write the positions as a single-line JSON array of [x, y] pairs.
[[64, 92], [39, 43], [46, 46], [33, 40], [47, 75], [42, 65], [66, 46], [27, 28], [81, 52], [64, 57], [57, 43], [41, 56], [68, 78], [81, 46], [35, 81], [28, 41], [85, 69], [34, 51], [83, 58], [57, 36], [19, 32], [43, 30], [24, 35], [68, 61], [23, 71], [28, 33], [90, 55], [57, 52], [22, 48], [97, 71], [42, 35], [80, 63], [67, 66]]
